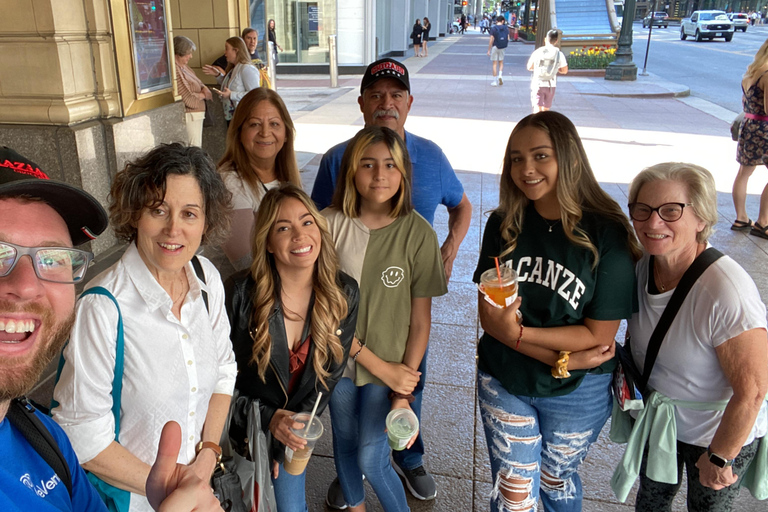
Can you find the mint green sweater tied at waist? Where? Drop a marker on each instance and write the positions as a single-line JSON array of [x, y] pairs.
[[656, 426]]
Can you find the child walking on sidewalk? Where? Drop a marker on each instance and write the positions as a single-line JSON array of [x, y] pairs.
[[546, 62]]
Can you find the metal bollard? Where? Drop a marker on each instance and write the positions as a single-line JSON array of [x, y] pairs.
[[333, 60], [271, 65]]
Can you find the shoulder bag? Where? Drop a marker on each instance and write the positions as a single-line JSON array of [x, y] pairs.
[[243, 483]]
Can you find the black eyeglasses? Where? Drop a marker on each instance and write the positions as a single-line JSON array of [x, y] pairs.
[[54, 264], [669, 212]]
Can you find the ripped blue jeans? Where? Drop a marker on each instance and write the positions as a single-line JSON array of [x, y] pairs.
[[537, 444]]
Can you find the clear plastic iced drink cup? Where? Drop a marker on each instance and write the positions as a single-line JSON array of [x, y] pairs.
[[296, 461], [502, 292], [402, 424]]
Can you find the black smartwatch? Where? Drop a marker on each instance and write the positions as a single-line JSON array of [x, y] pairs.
[[718, 460]]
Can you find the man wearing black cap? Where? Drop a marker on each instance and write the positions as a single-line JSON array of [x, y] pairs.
[[44, 220], [385, 100]]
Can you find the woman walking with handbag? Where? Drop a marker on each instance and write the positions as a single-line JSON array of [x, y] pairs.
[[708, 379], [753, 143], [293, 316]]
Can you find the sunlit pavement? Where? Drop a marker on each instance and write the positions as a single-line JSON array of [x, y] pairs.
[[624, 126]]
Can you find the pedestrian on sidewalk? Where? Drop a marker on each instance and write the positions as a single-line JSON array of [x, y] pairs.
[[543, 382], [462, 24], [385, 100], [546, 62], [496, 48], [425, 36], [416, 37], [753, 143]]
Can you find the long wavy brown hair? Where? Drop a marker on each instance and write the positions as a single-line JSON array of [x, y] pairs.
[[236, 158], [577, 188], [330, 304]]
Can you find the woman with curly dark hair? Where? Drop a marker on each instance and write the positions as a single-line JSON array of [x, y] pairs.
[[177, 358]]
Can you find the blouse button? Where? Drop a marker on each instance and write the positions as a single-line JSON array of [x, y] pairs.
[[184, 336], [192, 413], [338, 332], [189, 362], [191, 438], [194, 389]]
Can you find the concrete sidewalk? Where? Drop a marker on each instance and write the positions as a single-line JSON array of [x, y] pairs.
[[625, 126]]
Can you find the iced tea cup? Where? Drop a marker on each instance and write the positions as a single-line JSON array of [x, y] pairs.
[[502, 292], [296, 461], [402, 424]]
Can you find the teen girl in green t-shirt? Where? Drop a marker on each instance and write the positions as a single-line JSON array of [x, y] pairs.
[[394, 254]]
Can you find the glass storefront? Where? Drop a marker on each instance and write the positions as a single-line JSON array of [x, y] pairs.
[[302, 28]]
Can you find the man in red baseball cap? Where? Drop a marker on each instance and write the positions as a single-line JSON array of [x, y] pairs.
[[41, 223]]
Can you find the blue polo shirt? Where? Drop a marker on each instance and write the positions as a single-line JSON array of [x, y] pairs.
[[434, 181], [27, 482]]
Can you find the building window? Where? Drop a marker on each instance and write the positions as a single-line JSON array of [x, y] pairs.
[[302, 29]]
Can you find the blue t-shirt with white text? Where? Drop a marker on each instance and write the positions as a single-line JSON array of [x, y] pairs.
[[28, 483]]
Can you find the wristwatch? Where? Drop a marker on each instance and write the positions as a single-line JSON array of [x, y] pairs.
[[202, 445], [717, 460]]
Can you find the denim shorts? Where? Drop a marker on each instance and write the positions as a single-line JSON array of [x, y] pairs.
[[528, 435]]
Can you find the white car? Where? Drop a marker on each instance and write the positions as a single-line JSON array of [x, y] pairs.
[[707, 25], [740, 20]]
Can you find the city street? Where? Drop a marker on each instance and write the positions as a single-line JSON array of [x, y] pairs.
[[711, 69]]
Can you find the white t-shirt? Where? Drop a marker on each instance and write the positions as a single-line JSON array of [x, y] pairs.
[[243, 197], [722, 304], [545, 52]]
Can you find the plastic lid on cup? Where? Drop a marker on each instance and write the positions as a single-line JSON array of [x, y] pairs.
[[309, 431]]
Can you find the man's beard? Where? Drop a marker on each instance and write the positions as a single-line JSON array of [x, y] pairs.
[[17, 380]]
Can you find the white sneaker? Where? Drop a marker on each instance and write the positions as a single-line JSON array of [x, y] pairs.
[[494, 84]]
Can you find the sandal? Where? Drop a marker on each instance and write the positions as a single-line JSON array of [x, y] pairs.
[[759, 231], [740, 225]]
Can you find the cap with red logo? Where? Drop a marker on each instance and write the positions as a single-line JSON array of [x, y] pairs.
[[385, 68], [84, 216]]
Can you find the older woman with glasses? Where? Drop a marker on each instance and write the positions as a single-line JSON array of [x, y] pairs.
[[178, 364], [708, 385]]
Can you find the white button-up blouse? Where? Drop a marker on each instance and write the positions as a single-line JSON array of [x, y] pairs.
[[172, 367]]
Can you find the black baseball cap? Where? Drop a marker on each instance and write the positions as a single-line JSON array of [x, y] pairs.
[[385, 68], [84, 216]]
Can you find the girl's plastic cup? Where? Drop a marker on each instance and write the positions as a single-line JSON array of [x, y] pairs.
[[296, 462], [402, 424], [501, 292]]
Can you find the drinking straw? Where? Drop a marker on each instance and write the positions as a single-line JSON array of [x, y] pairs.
[[314, 410], [498, 269]]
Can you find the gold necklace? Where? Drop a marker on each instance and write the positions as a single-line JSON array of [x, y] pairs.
[[182, 293]]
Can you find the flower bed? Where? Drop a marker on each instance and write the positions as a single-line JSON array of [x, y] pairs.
[[592, 57]]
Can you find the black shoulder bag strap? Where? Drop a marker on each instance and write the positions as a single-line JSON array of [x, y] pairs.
[[201, 276], [21, 414], [699, 265]]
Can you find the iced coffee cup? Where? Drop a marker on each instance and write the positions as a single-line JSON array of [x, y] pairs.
[[502, 292], [296, 461], [402, 424]]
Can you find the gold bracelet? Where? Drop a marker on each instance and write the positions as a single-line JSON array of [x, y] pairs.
[[561, 370]]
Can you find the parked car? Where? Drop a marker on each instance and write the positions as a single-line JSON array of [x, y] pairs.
[[740, 20], [707, 25], [660, 19]]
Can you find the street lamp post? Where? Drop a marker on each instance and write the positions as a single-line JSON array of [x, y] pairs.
[[623, 68]]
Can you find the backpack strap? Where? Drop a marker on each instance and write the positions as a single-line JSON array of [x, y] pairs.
[[201, 276], [699, 265], [21, 414]]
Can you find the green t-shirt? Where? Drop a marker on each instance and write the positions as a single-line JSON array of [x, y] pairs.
[[392, 265], [559, 288]]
